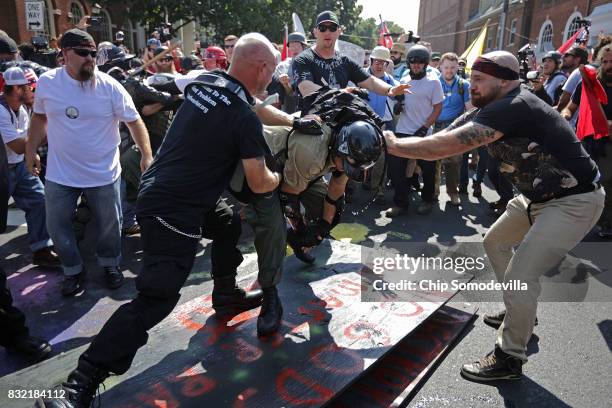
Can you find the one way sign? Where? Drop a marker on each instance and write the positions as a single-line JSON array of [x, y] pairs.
[[35, 20]]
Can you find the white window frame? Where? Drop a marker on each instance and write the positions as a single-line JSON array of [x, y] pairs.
[[568, 25], [74, 20], [512, 34], [545, 24]]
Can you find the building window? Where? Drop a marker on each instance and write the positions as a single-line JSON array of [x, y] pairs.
[[572, 25], [546, 36], [490, 37], [77, 13], [512, 32], [101, 30]]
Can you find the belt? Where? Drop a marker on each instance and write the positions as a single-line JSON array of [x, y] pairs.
[[579, 189], [13, 165]]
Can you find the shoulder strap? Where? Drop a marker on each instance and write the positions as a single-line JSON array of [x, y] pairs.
[[4, 103], [217, 81]]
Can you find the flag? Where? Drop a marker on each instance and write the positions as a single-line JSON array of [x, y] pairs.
[[580, 35], [591, 118], [476, 48], [285, 52], [384, 40]]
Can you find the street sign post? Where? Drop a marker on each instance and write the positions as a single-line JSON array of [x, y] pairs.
[[35, 20]]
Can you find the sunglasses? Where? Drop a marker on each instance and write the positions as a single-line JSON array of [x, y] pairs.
[[167, 59], [228, 46], [417, 61], [379, 62], [83, 52], [324, 27]]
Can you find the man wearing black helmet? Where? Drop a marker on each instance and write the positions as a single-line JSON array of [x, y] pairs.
[[555, 78]]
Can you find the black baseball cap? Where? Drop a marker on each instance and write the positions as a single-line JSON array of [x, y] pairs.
[[8, 45], [327, 17], [77, 38], [578, 52]]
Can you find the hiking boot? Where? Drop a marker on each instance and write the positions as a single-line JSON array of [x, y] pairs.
[[114, 277], [229, 299], [396, 211], [34, 349], [45, 257], [495, 320], [269, 320], [80, 388], [497, 365], [72, 284]]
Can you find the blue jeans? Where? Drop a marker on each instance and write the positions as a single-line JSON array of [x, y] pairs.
[[105, 204], [29, 195], [482, 167], [128, 208]]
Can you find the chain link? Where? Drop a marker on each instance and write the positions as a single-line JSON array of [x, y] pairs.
[[178, 231]]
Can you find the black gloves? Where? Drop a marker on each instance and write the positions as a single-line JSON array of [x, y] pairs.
[[307, 126], [290, 204], [306, 236], [422, 131], [399, 106]]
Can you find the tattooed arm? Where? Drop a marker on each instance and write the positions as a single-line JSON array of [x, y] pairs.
[[443, 144]]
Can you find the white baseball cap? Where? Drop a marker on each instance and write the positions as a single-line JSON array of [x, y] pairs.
[[15, 76]]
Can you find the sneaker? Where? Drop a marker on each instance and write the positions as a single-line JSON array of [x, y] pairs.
[[497, 365], [396, 211], [476, 190], [425, 207], [495, 320], [73, 284], [454, 199], [463, 189], [45, 257], [114, 277]]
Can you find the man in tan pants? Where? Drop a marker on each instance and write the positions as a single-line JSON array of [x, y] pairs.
[[561, 196]]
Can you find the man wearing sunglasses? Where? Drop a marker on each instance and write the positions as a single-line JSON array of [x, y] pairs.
[[322, 66], [229, 43], [78, 109]]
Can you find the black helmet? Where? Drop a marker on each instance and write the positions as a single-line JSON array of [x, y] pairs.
[[359, 144], [553, 55], [113, 56], [296, 37], [190, 63], [418, 52]]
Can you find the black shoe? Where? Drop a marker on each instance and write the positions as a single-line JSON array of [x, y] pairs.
[[497, 365], [425, 207], [495, 320], [476, 190], [80, 388], [269, 319], [229, 299], [34, 349], [114, 277], [45, 257], [463, 189], [498, 205], [73, 284], [414, 182], [295, 242]]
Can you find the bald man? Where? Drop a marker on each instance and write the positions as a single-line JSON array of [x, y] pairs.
[[560, 201], [179, 201]]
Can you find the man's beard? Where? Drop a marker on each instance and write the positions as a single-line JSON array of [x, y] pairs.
[[481, 101], [396, 61], [607, 76], [86, 72]]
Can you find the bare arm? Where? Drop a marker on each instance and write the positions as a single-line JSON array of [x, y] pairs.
[[17, 145], [36, 137], [335, 190], [563, 101], [152, 108], [259, 178], [382, 88], [442, 144], [271, 116], [569, 110], [437, 108], [141, 138]]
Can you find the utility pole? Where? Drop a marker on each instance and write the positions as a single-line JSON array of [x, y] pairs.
[[502, 25]]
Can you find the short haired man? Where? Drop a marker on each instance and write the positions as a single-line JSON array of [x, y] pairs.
[[78, 109], [26, 189], [398, 56], [573, 58], [322, 66], [282, 82], [560, 199], [435, 60], [229, 42]]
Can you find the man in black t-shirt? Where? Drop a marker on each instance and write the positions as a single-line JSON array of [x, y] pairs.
[[560, 199], [178, 202], [322, 66]]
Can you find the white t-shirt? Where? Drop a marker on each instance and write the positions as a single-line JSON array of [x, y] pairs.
[[570, 86], [83, 127], [426, 92], [13, 127]]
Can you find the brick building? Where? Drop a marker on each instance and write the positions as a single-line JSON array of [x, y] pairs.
[[61, 15], [543, 23]]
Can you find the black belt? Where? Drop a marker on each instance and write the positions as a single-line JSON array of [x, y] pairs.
[[13, 165], [579, 189]]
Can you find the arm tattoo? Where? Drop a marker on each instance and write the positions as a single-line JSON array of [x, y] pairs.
[[474, 134]]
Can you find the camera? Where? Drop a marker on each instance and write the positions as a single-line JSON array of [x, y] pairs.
[[40, 43], [525, 57], [533, 75], [412, 38], [165, 32]]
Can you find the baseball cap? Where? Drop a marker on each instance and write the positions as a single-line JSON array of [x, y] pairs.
[[15, 76], [296, 37], [436, 55], [327, 17], [578, 52], [77, 38], [397, 47], [119, 35], [7, 45]]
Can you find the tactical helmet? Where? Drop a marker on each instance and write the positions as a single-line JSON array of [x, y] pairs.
[[418, 53], [553, 55], [113, 57], [359, 144]]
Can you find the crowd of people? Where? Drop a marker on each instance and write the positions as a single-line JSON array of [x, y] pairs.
[[152, 146]]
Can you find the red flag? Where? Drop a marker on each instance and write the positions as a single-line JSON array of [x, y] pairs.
[[384, 40], [591, 118], [285, 52], [571, 41]]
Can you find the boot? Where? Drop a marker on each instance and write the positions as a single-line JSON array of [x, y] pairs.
[[496, 365], [80, 388], [269, 319], [33, 348], [229, 299]]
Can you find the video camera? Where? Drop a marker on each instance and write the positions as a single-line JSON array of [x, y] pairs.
[[40, 52], [165, 32], [525, 55], [412, 38]]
